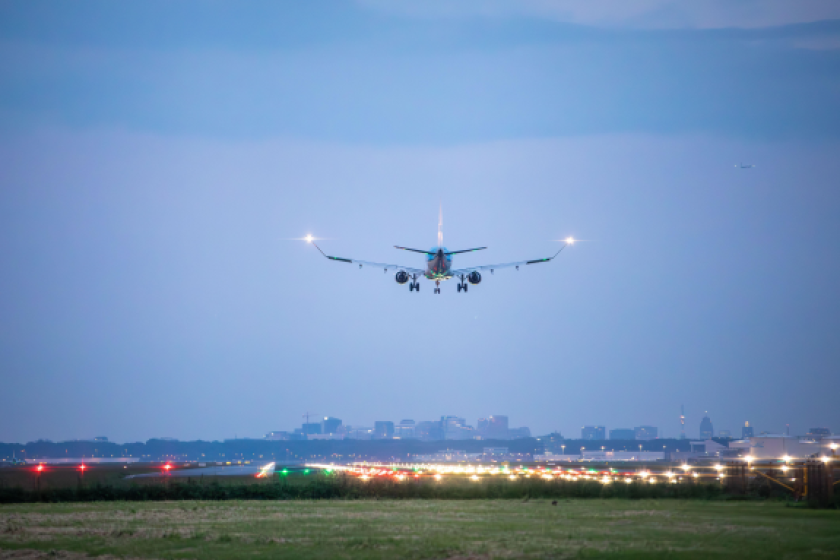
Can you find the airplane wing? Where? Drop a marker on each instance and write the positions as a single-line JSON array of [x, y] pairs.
[[492, 267], [385, 267]]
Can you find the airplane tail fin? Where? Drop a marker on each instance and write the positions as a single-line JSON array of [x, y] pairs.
[[440, 227]]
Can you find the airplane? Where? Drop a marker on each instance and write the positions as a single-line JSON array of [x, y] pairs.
[[439, 264], [747, 166]]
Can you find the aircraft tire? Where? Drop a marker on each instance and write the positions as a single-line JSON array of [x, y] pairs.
[[465, 287]]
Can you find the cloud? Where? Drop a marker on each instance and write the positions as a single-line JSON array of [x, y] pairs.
[[659, 14]]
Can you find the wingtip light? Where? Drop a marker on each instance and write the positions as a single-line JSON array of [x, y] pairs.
[[308, 238], [570, 240]]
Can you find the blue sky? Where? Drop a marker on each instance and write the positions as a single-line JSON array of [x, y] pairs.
[[156, 158]]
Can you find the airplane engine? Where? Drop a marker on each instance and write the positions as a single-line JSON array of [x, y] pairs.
[[402, 277], [474, 277]]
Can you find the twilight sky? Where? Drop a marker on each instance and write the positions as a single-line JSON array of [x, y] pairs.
[[156, 158]]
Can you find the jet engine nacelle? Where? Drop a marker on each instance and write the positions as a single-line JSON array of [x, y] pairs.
[[402, 277], [474, 277]]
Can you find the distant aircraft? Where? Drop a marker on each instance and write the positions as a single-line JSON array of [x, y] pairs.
[[745, 166], [439, 264]]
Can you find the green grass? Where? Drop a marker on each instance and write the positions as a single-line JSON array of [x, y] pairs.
[[425, 529]]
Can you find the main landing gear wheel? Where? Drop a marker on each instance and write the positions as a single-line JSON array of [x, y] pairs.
[[437, 283], [414, 286], [459, 287]]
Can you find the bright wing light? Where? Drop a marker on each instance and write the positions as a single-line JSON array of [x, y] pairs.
[[570, 240], [308, 239]]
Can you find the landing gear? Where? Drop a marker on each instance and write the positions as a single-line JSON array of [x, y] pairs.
[[415, 285], [463, 284], [437, 283]]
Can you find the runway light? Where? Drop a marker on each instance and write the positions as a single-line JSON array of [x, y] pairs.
[[785, 468], [513, 477], [438, 477], [40, 468], [718, 467], [826, 459], [749, 458], [82, 467], [786, 458], [474, 478]]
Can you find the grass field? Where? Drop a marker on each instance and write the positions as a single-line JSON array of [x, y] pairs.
[[421, 529]]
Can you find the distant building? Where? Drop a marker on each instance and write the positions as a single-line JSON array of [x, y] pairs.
[[819, 432], [495, 451], [383, 429], [104, 439], [593, 432], [724, 433], [600, 455], [330, 425], [778, 446], [406, 429], [707, 431], [554, 443], [623, 433], [358, 432], [429, 430], [456, 428], [497, 427], [747, 431], [519, 433], [311, 428], [645, 433], [280, 436]]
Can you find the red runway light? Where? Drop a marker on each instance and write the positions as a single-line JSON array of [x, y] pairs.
[[40, 468], [82, 467]]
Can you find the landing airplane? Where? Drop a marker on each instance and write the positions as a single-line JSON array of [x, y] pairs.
[[745, 166], [439, 265]]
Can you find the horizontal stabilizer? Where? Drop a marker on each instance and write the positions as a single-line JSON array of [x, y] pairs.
[[465, 251], [415, 250]]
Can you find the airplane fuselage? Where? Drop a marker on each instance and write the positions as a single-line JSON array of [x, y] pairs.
[[438, 264]]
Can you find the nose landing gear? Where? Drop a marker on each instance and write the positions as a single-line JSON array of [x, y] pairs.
[[437, 283]]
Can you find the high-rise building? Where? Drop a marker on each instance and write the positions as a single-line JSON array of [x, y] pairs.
[[429, 431], [623, 433], [497, 427], [593, 432], [383, 429], [646, 432], [330, 425], [707, 431], [747, 431], [311, 428], [405, 429]]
